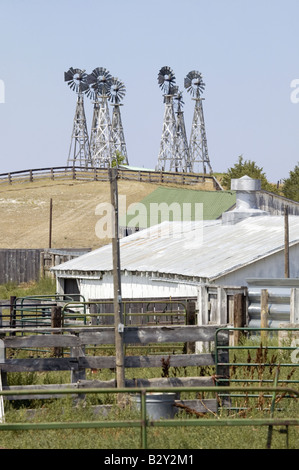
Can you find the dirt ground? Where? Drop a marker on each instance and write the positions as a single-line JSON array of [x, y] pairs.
[[25, 209]]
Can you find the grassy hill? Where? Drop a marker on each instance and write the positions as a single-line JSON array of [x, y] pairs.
[[24, 211]]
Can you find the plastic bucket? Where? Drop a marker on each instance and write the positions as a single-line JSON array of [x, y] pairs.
[[158, 405]]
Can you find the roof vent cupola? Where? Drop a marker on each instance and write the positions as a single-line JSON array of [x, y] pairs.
[[245, 188]]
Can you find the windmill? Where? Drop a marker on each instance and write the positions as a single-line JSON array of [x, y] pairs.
[[116, 93], [182, 162], [101, 141], [198, 148], [79, 152], [166, 81]]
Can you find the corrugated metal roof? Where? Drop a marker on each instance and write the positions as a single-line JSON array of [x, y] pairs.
[[224, 248], [214, 204]]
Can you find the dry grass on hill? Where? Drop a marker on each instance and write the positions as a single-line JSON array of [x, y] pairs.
[[24, 211]]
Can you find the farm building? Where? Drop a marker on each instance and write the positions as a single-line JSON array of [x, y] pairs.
[[173, 258]]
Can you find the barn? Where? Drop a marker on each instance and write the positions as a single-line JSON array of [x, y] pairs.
[[172, 259]]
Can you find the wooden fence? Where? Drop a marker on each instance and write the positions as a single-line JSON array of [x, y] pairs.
[[19, 265], [78, 339], [101, 174], [216, 304], [222, 305], [25, 264]]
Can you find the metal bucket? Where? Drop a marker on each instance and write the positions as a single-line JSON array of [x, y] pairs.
[[158, 405]]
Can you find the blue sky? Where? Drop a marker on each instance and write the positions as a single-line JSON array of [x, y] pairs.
[[247, 51]]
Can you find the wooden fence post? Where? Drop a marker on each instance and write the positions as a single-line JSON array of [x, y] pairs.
[[294, 306], [221, 306], [79, 374], [239, 317], [12, 314], [42, 264], [203, 313], [264, 313], [3, 379], [2, 413], [56, 322], [93, 310], [203, 305], [190, 320]]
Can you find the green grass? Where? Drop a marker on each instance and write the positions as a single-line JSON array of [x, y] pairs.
[[42, 287], [200, 437], [203, 437]]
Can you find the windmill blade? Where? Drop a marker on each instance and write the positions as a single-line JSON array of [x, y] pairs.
[[173, 90], [194, 83], [166, 80], [117, 91], [91, 93], [92, 89], [69, 75], [84, 86], [179, 100], [76, 79], [101, 79]]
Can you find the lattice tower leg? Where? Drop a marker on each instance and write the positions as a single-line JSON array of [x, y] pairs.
[[118, 134], [198, 148], [79, 153], [166, 159], [104, 145], [94, 130], [182, 162]]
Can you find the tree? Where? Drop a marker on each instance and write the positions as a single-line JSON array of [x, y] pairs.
[[117, 159], [249, 168], [291, 185]]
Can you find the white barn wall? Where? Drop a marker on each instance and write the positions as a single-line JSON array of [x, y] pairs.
[[270, 267], [143, 286], [135, 287]]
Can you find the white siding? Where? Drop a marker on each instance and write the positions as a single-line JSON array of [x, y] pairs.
[[135, 287], [270, 267], [142, 286]]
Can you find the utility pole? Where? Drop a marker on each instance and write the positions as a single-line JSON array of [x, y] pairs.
[[118, 308], [50, 223], [286, 243]]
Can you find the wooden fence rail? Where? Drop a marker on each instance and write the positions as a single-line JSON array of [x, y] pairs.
[[101, 174], [77, 339]]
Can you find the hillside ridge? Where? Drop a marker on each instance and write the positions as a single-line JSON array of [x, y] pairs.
[[25, 209]]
